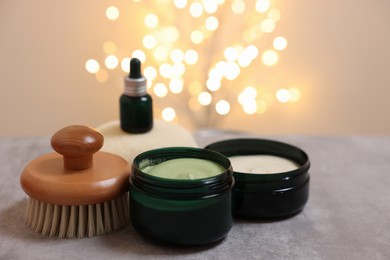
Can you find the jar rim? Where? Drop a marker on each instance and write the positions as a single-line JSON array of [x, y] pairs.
[[178, 188], [255, 146]]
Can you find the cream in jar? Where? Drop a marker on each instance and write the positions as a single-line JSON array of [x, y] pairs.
[[185, 169], [262, 164]]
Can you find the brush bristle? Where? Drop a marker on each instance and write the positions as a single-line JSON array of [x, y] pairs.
[[77, 221]]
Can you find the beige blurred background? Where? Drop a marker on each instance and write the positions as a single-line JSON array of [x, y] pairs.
[[338, 54]]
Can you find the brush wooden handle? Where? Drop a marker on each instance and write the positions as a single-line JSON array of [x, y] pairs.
[[78, 183], [77, 144]]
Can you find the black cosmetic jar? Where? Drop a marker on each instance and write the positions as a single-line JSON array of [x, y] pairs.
[[181, 211], [266, 196]]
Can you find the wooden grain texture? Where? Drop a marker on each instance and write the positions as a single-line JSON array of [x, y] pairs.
[[77, 143], [46, 179], [79, 174]]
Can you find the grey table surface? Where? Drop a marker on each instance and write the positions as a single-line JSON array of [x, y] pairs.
[[347, 216]]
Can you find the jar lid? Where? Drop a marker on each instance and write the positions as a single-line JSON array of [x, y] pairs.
[[267, 195], [79, 174]]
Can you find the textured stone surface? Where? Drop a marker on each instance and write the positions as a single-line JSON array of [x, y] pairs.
[[347, 216]]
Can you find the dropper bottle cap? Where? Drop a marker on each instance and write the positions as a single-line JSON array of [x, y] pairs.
[[135, 83]]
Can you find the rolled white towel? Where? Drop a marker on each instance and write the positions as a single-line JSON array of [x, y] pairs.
[[128, 146]]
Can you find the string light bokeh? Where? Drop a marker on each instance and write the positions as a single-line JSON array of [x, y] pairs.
[[201, 58]]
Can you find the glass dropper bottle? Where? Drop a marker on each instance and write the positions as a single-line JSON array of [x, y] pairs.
[[136, 109]]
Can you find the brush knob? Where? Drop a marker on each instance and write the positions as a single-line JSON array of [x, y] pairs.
[[67, 177], [77, 144]]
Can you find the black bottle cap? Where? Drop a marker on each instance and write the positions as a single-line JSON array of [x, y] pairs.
[[135, 69], [135, 83]]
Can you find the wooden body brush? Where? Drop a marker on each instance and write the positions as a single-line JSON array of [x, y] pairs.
[[75, 193]]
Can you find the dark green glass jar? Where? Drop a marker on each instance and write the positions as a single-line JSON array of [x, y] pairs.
[[267, 195], [181, 212]]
